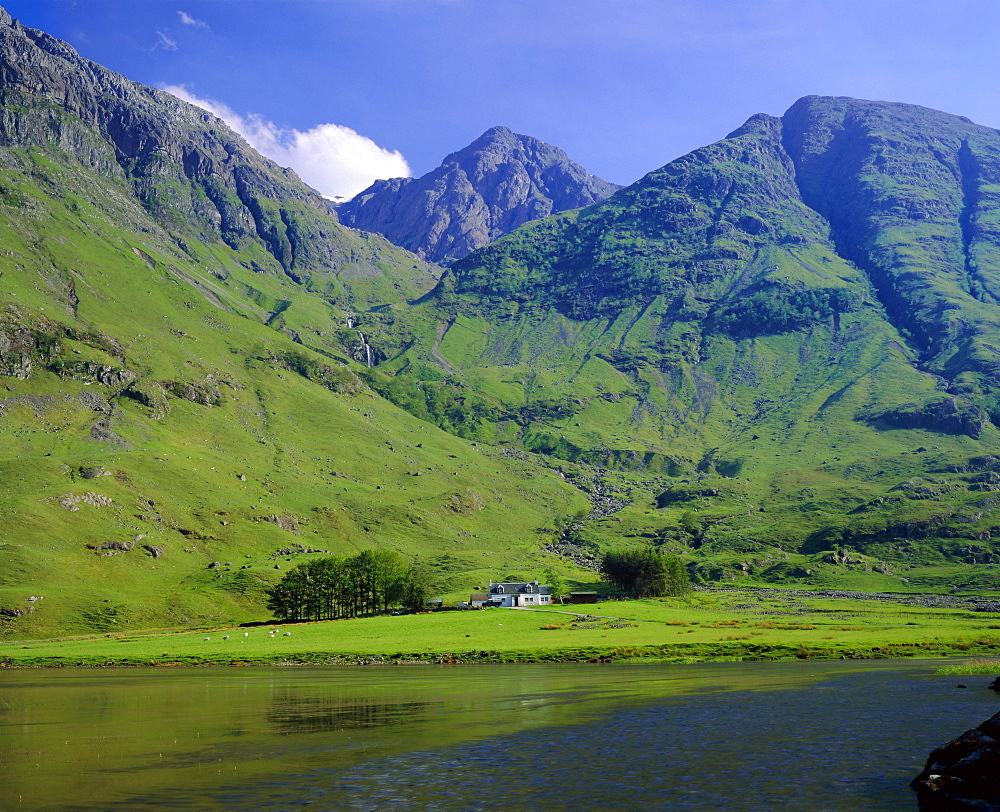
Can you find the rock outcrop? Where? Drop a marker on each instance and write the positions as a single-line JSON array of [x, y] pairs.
[[965, 772], [496, 184], [944, 415]]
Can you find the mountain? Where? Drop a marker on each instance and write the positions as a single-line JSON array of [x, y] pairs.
[[796, 329], [182, 344], [901, 197], [499, 182], [776, 356], [194, 177]]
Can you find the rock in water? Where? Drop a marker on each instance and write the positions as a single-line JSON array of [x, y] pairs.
[[965, 772]]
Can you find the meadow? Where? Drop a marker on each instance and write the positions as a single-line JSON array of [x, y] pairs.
[[734, 625]]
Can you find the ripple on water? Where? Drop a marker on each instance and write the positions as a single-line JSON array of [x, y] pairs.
[[849, 743]]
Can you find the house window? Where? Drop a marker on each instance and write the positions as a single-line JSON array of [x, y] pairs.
[[527, 588], [498, 588]]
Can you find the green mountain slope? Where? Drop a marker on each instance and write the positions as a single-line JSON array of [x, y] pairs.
[[181, 332], [776, 355], [792, 334]]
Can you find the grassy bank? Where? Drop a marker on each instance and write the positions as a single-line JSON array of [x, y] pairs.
[[732, 626]]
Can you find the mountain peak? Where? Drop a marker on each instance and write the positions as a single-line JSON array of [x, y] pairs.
[[496, 132], [484, 190]]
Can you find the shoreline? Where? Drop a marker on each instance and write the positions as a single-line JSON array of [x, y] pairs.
[[667, 653]]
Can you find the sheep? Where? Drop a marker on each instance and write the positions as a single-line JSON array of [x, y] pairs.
[[208, 638], [225, 637], [287, 634]]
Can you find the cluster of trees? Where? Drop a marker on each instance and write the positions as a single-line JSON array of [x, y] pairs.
[[338, 587], [778, 308], [644, 572]]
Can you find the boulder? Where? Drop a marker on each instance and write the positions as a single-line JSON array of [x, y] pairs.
[[110, 547], [965, 772], [286, 521]]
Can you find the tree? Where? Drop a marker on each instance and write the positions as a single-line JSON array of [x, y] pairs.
[[378, 578], [644, 572], [678, 578], [334, 587], [314, 590], [417, 588], [557, 589]]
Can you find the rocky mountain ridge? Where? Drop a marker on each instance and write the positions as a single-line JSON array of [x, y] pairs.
[[193, 174], [896, 201], [497, 183]]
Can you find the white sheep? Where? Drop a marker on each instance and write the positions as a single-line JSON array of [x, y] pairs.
[[287, 634]]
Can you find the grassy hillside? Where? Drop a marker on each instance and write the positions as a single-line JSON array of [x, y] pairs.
[[778, 384], [181, 412], [776, 356], [153, 423]]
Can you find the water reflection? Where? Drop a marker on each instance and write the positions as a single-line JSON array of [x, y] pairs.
[[293, 713], [728, 735]]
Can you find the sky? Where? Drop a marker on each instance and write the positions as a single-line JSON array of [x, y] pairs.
[[347, 91]]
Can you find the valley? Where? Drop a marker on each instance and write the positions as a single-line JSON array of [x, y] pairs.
[[776, 357]]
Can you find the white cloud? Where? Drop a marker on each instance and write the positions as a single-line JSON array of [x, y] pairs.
[[335, 160], [165, 42], [187, 19]]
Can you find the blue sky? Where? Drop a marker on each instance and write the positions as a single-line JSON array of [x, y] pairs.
[[624, 86]]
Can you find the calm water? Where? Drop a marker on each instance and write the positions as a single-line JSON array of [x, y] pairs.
[[840, 735]]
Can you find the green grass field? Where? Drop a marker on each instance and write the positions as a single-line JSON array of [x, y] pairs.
[[728, 626]]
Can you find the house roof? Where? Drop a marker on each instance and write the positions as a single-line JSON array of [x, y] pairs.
[[515, 587]]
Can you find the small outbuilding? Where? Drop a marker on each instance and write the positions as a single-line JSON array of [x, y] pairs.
[[478, 598], [583, 597]]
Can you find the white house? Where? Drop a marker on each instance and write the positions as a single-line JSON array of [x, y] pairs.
[[519, 594]]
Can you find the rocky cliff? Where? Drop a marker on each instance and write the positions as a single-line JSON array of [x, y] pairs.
[[497, 183], [965, 772]]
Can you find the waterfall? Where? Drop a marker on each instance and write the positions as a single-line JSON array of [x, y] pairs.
[[369, 358]]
